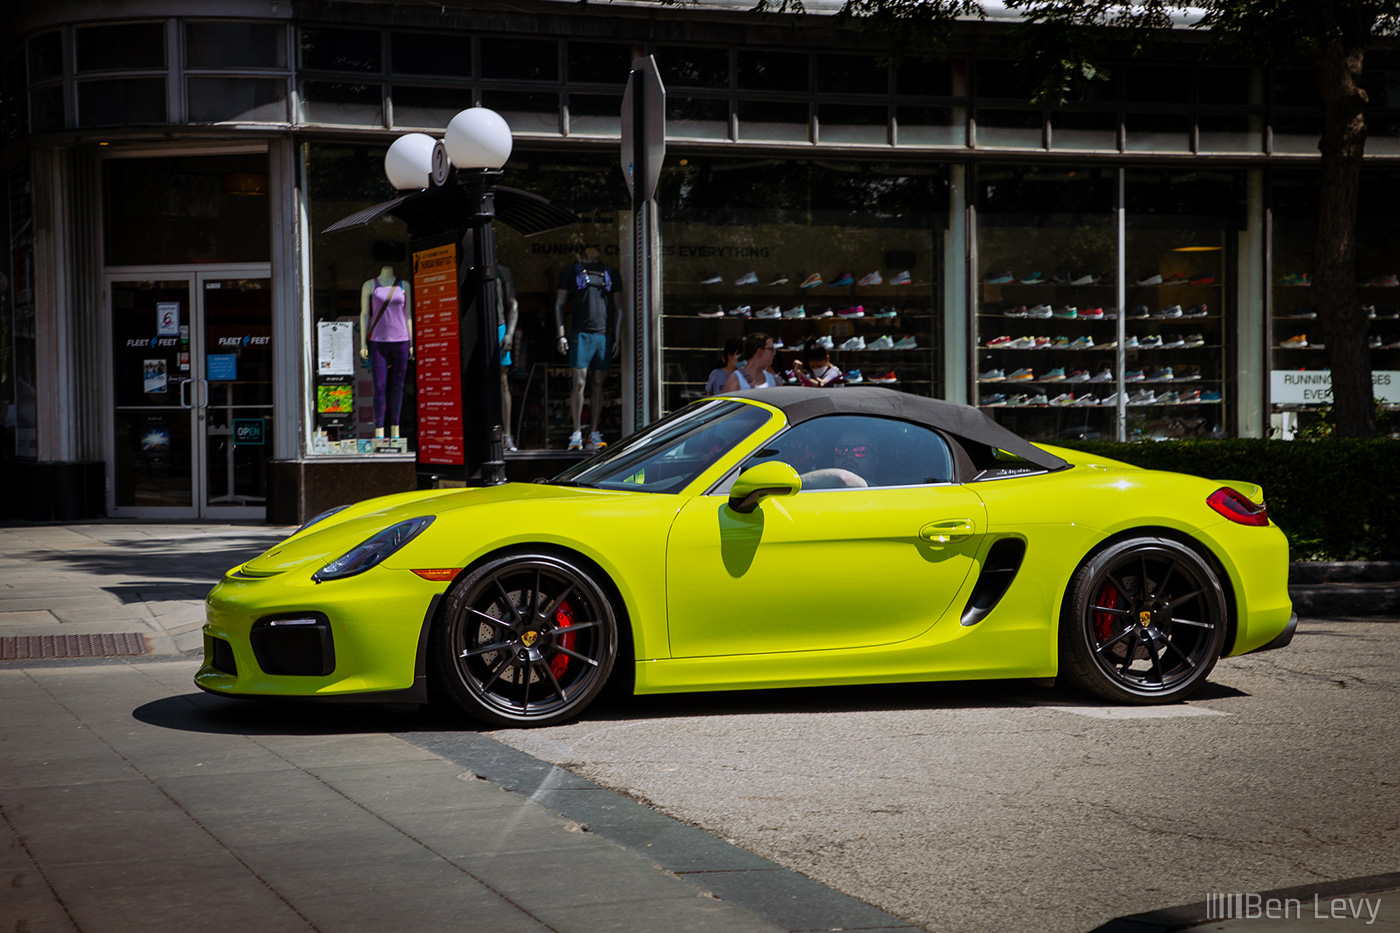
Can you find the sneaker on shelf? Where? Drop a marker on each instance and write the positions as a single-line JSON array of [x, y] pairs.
[[1083, 343], [1018, 311], [595, 441], [715, 311], [1130, 343], [1211, 396], [1150, 280], [1023, 343], [1062, 401], [1176, 278], [1143, 397], [1187, 373], [852, 311], [1068, 311], [1168, 312], [886, 311], [845, 278], [1201, 278], [826, 342], [1385, 281], [1039, 398], [1055, 375], [1111, 399], [853, 377], [1092, 314], [1035, 278], [1059, 343], [812, 281], [1140, 313], [992, 401], [1295, 278], [991, 375], [874, 278], [508, 442], [1192, 397], [576, 441], [748, 278], [1041, 311], [1021, 375], [795, 312], [1083, 280], [769, 313], [1134, 375], [1370, 312], [779, 279], [1016, 401], [1172, 343], [1103, 375], [711, 278], [901, 279], [905, 343], [887, 379], [999, 343], [1298, 316], [1375, 343], [855, 343], [1087, 399], [1161, 374], [791, 378], [881, 343], [1297, 342], [820, 314], [1078, 375], [740, 311], [778, 343], [1000, 278], [1153, 342], [1110, 345], [1042, 343], [1201, 310], [1169, 398]]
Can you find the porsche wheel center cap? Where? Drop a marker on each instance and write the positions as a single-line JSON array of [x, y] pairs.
[[1145, 617], [530, 637]]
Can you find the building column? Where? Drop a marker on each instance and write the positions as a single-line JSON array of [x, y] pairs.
[[1250, 325], [956, 331]]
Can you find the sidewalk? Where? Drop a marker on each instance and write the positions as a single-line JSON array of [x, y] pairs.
[[129, 800]]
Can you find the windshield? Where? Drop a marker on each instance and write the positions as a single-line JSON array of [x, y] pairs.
[[668, 455]]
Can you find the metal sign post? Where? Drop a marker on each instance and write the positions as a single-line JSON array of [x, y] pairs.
[[643, 150]]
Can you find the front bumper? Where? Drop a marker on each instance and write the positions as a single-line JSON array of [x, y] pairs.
[[362, 635]]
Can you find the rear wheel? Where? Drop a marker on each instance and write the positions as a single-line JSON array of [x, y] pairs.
[[525, 640], [1145, 622]]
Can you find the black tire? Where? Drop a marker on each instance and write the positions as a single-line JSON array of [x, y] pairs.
[[526, 639], [1144, 622]]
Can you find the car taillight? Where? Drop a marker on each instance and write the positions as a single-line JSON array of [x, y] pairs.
[[1237, 507]]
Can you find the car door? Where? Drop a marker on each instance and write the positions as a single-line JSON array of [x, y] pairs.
[[839, 565]]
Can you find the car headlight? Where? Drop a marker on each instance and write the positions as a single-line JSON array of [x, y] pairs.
[[322, 517], [373, 550]]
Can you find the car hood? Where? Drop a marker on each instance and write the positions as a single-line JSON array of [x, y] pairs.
[[332, 537]]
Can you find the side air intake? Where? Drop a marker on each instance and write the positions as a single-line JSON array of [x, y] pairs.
[[998, 571]]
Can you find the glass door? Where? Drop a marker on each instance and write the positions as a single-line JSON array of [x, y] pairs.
[[192, 393]]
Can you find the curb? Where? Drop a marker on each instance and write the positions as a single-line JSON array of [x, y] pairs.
[[1186, 916], [1348, 588]]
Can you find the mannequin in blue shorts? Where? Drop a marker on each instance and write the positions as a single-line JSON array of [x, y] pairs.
[[508, 313], [593, 293]]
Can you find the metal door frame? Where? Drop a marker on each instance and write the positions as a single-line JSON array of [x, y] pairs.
[[196, 275]]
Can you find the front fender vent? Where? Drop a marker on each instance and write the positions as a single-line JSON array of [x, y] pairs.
[[998, 570]]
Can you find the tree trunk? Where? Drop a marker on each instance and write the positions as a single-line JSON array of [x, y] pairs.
[[1337, 67]]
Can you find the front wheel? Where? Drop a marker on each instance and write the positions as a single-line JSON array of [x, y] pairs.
[[1145, 622], [525, 640]]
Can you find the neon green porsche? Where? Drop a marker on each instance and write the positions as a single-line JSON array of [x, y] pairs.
[[782, 538]]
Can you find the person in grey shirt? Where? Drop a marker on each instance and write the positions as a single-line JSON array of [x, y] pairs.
[[729, 361]]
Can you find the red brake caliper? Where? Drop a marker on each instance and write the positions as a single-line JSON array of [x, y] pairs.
[[1103, 621], [564, 617]]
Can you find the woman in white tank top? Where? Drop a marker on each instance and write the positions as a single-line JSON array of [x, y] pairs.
[[754, 374]]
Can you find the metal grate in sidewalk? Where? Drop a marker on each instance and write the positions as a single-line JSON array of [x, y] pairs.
[[40, 647]]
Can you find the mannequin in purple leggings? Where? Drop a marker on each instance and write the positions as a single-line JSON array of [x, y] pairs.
[[386, 340]]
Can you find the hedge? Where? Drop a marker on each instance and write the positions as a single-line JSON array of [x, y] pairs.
[[1335, 498]]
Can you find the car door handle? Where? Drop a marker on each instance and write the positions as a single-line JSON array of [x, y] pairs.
[[947, 531]]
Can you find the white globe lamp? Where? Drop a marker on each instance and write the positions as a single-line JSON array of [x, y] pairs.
[[414, 161], [478, 138]]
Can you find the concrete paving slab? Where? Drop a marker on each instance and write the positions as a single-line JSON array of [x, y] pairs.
[[431, 907]]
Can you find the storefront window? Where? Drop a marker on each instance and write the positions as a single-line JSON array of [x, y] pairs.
[[18, 334], [848, 256]]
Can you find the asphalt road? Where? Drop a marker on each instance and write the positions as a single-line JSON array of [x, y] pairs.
[[974, 807]]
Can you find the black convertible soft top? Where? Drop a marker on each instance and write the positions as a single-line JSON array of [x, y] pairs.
[[962, 421]]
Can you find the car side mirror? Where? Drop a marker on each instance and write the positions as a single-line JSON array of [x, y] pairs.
[[773, 478]]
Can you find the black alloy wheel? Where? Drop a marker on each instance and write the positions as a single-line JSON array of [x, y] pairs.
[[1145, 622], [525, 640]]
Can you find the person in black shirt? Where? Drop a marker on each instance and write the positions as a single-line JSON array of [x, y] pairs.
[[593, 292]]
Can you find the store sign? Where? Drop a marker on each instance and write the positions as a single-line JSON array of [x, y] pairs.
[[221, 367], [643, 129], [1314, 386], [248, 431], [438, 350]]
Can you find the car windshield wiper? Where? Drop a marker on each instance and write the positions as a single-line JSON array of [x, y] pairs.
[[564, 482]]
